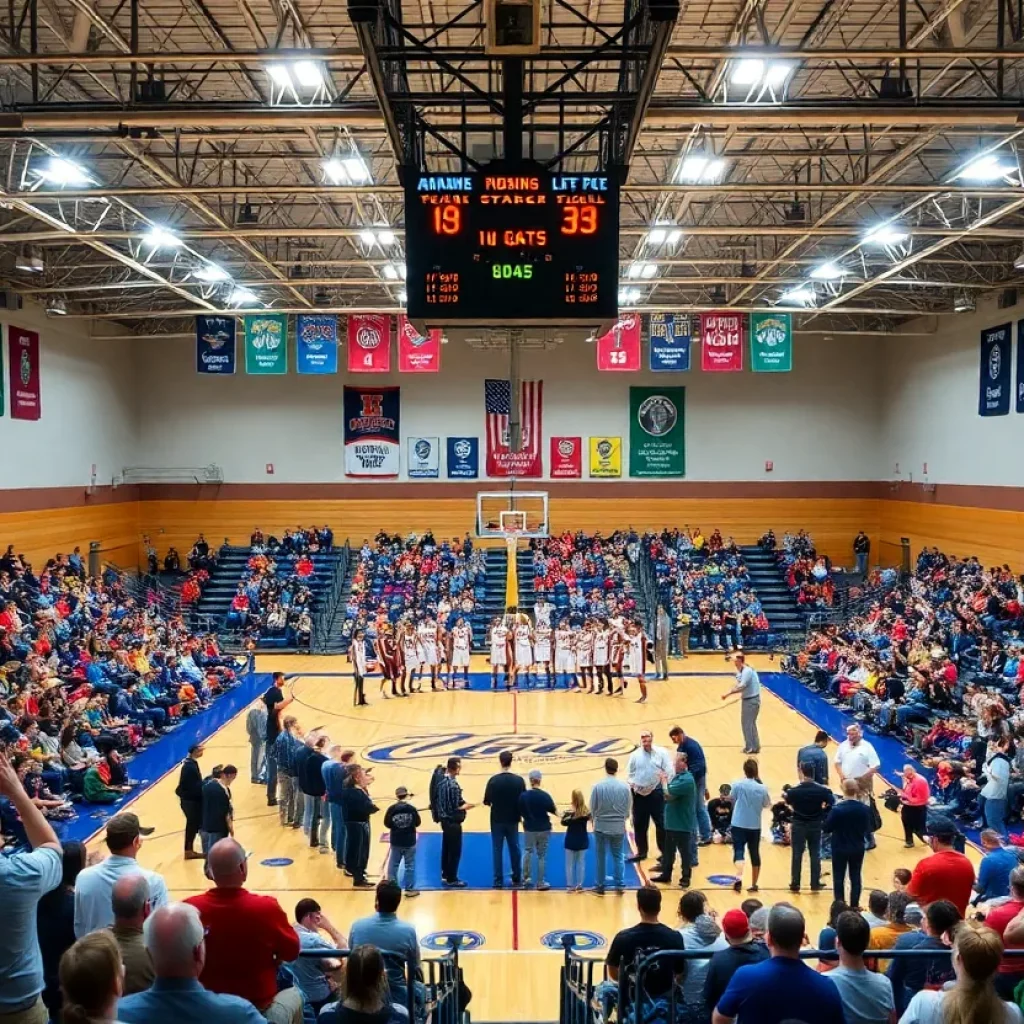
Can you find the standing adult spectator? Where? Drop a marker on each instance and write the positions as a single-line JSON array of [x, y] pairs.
[[284, 751], [91, 980], [698, 766], [316, 979], [357, 807], [914, 794], [610, 803], [314, 788], [992, 799], [334, 772], [1011, 969], [247, 938], [24, 878], [55, 923], [93, 890], [995, 867], [384, 930], [680, 823], [849, 824], [536, 808], [402, 819], [743, 951], [304, 806], [861, 549], [814, 754], [748, 686], [910, 975], [130, 903], [856, 760], [700, 930], [647, 772], [256, 730], [451, 812], [175, 940], [946, 874], [750, 800], [502, 795], [791, 989], [218, 814], [867, 997], [662, 632], [810, 803], [190, 796], [275, 702]]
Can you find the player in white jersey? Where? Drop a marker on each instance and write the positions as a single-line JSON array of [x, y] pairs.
[[412, 658], [501, 656], [565, 653], [427, 633], [543, 609], [585, 656], [602, 654], [462, 641], [522, 636], [542, 652], [357, 655], [636, 656], [617, 650]]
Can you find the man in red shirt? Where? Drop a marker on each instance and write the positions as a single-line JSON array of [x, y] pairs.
[[1011, 969], [946, 874], [247, 938]]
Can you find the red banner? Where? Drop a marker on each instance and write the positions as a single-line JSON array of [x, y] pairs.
[[619, 349], [501, 460], [23, 363], [566, 457], [416, 353], [369, 343], [721, 342]]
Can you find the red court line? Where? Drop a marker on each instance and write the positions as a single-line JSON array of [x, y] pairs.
[[515, 918]]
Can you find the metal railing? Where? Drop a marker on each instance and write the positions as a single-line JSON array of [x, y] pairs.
[[324, 620]]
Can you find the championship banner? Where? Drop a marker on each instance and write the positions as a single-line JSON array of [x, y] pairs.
[[424, 458], [266, 343], [23, 367], [418, 353], [501, 461], [369, 343], [619, 349], [671, 334], [566, 458], [316, 343], [771, 342], [605, 456], [1020, 369], [994, 377], [721, 342], [372, 447], [215, 344], [657, 445], [463, 458]]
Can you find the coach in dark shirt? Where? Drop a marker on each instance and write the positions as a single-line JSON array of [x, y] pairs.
[[814, 755], [849, 823], [502, 796], [810, 803], [356, 807], [190, 795], [275, 702], [217, 822], [314, 787], [698, 767]]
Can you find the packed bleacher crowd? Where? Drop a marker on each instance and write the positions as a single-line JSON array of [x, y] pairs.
[[808, 574]]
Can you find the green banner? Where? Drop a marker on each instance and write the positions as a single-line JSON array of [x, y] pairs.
[[771, 342], [266, 343], [657, 444]]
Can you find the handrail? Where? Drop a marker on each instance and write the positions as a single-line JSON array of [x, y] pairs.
[[332, 599]]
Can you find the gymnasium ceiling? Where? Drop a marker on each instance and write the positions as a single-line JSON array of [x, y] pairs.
[[234, 164]]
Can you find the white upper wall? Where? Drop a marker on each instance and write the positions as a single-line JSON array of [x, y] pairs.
[[89, 407], [930, 407], [819, 422]]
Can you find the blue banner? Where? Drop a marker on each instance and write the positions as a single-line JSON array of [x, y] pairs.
[[316, 337], [464, 457], [1020, 366], [670, 336], [994, 376], [215, 344]]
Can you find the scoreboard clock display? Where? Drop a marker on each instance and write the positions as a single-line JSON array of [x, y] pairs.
[[521, 245]]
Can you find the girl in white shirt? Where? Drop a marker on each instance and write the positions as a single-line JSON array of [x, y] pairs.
[[357, 655]]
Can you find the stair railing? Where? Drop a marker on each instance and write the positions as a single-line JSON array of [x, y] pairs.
[[645, 581], [324, 620]]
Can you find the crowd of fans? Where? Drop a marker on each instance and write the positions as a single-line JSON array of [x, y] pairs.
[[808, 574]]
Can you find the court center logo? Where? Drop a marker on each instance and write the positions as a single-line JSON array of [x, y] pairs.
[[527, 747]]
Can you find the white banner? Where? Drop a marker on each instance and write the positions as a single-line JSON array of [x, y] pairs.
[[424, 457]]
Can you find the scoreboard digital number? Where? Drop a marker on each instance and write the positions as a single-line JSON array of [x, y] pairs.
[[522, 245]]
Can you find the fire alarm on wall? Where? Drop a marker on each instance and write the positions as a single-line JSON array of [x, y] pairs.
[[270, 469], [769, 466]]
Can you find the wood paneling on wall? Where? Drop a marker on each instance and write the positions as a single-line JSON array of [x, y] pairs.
[[43, 533]]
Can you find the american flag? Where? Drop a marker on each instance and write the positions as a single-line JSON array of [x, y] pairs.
[[498, 408]]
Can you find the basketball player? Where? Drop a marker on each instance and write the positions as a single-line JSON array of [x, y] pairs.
[[389, 658], [523, 663], [357, 655], [565, 654], [461, 642], [542, 651], [500, 653], [585, 656], [427, 634], [411, 658], [635, 657], [617, 649], [543, 609], [602, 640]]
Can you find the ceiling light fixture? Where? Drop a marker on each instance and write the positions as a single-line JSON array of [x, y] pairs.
[[986, 168], [403, 296], [211, 273], [244, 297], [963, 301], [358, 170], [280, 75], [696, 168], [828, 271], [335, 172], [648, 271], [160, 238], [56, 305], [386, 237], [65, 172], [1018, 263], [673, 236], [308, 74], [656, 236], [749, 71], [367, 237], [886, 234], [390, 272], [801, 295], [633, 270], [29, 260], [627, 296]]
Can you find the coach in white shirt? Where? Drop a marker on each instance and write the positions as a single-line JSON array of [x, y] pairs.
[[94, 886], [856, 759], [648, 770], [748, 686]]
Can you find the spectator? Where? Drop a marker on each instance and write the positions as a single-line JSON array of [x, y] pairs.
[[91, 981], [577, 841], [502, 795], [861, 548], [994, 870], [886, 934], [857, 760], [275, 702], [810, 802], [93, 907], [174, 938], [366, 990], [190, 796], [742, 951], [849, 824], [284, 750], [720, 814], [402, 819], [55, 923], [1011, 969], [814, 755], [451, 813], [24, 878], [314, 788], [385, 931], [698, 766], [992, 799], [647, 772], [783, 988], [680, 823], [218, 817], [946, 874], [699, 930], [357, 807], [256, 730], [130, 904], [976, 954], [334, 772], [610, 803], [910, 976], [749, 801], [827, 937], [536, 808], [866, 996], [247, 938], [317, 980], [914, 796]]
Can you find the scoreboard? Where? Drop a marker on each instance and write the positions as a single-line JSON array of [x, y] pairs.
[[519, 244]]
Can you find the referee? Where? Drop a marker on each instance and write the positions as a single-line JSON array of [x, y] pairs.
[[648, 771], [748, 685]]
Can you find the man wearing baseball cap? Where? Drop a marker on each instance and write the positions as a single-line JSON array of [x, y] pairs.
[[93, 909], [946, 874], [536, 807], [403, 819], [742, 952]]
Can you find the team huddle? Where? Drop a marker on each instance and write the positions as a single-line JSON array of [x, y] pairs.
[[601, 656]]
